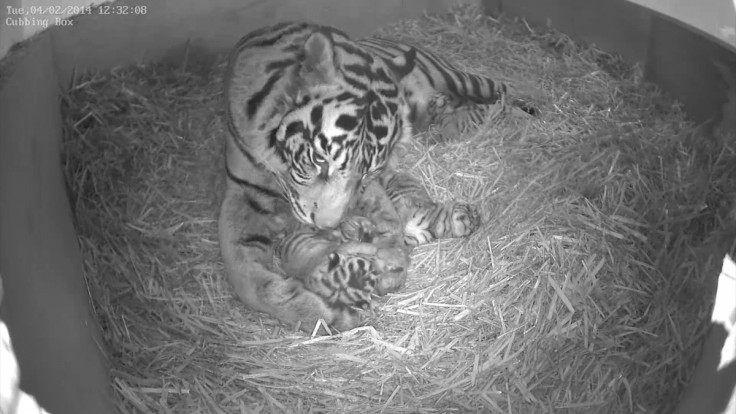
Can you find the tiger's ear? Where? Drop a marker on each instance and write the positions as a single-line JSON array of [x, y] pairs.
[[319, 58], [403, 64]]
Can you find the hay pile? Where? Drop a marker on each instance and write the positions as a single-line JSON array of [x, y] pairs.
[[583, 292]]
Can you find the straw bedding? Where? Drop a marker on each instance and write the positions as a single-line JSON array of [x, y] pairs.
[[585, 290]]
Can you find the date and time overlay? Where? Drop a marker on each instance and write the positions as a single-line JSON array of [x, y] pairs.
[[45, 16]]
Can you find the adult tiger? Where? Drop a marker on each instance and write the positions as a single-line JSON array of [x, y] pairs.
[[312, 115]]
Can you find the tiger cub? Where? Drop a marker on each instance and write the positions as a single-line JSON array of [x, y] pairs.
[[344, 273], [400, 212], [393, 214], [364, 255], [424, 220]]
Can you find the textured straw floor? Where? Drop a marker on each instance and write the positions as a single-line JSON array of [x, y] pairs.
[[583, 291]]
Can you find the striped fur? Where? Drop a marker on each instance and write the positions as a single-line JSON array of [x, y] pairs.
[[311, 115], [369, 251], [440, 93], [424, 220], [341, 275], [341, 269], [368, 240], [312, 118]]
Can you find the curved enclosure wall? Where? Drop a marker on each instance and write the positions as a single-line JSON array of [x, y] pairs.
[[693, 62], [45, 304]]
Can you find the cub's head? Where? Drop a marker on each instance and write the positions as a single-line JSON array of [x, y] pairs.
[[348, 114]]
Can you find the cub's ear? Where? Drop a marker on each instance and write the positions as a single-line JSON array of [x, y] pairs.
[[403, 64], [319, 58]]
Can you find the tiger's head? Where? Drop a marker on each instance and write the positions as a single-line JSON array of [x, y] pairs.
[[348, 114]]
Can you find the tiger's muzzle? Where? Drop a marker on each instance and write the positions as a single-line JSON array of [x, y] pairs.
[[328, 202]]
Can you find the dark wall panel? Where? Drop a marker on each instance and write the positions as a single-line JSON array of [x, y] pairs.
[[675, 56], [680, 61], [614, 25]]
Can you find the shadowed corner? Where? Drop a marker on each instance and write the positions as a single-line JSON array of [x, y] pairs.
[[712, 388]]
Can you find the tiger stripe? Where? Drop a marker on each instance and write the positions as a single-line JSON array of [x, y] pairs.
[[423, 219], [312, 118], [309, 114], [434, 75]]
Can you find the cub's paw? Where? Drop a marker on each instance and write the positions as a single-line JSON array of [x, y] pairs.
[[306, 308], [344, 318], [357, 229], [441, 104], [464, 219], [344, 279], [388, 229], [364, 230], [392, 265]]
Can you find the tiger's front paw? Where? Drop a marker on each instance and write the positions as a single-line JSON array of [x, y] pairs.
[[344, 278], [465, 219]]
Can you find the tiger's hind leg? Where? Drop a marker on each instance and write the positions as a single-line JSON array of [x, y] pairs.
[[452, 117], [247, 224], [425, 220]]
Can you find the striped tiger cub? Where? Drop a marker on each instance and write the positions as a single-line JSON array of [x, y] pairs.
[[363, 255], [343, 272], [399, 212], [312, 118], [422, 219], [390, 217]]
